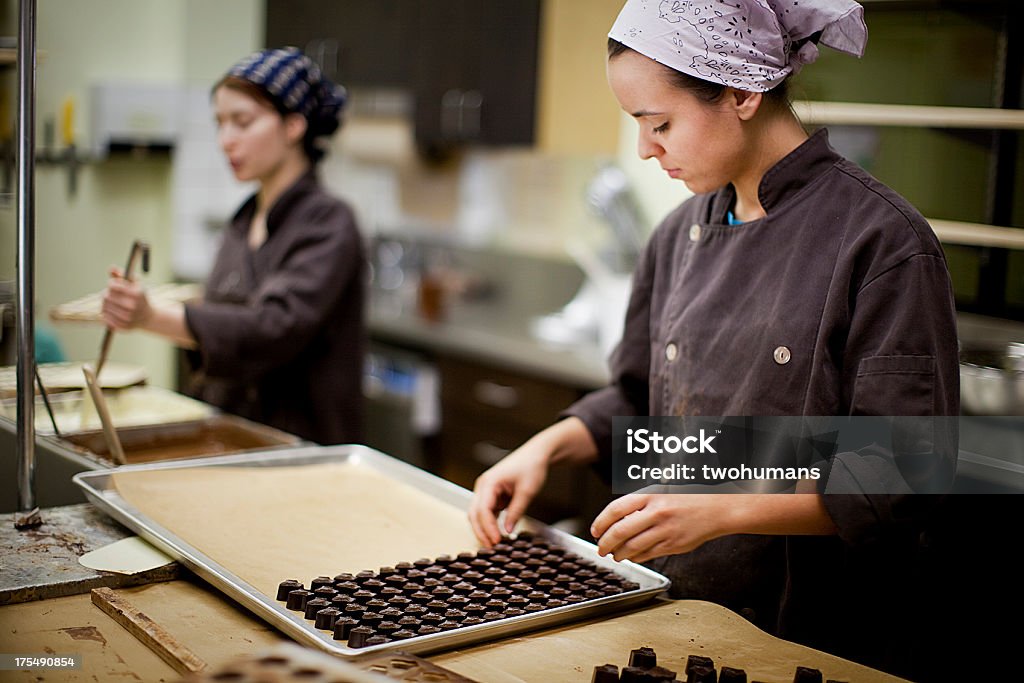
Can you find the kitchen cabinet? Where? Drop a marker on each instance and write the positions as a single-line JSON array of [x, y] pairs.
[[474, 73], [486, 412], [470, 66]]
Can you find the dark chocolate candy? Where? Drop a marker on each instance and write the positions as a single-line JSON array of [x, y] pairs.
[[326, 617], [514, 612], [407, 622], [534, 607], [320, 582], [472, 621], [387, 627], [493, 615], [448, 625], [377, 640], [402, 634], [701, 674], [370, 619], [391, 613], [343, 627], [358, 635], [698, 660], [661, 674], [643, 657], [343, 577], [298, 598], [346, 587], [426, 630], [313, 606], [606, 673], [727, 674], [806, 674], [286, 587], [443, 560]]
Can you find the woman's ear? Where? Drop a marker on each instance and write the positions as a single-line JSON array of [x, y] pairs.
[[295, 127], [746, 103]]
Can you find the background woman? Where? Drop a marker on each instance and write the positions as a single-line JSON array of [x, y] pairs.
[[793, 283], [279, 335]]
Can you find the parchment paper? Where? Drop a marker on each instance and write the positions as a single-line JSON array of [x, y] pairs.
[[268, 524]]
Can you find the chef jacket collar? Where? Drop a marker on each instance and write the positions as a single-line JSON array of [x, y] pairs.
[[798, 169], [305, 184]]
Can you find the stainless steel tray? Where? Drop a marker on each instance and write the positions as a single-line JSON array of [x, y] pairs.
[[99, 488]]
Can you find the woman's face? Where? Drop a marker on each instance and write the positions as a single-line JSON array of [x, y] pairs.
[[694, 141], [255, 138]]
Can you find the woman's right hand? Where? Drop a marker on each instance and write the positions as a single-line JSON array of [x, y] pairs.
[[514, 482], [509, 485], [125, 305]]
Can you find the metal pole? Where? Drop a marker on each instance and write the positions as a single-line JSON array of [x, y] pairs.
[[28, 513]]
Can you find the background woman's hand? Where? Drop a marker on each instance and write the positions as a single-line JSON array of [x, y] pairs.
[[641, 527], [125, 305]]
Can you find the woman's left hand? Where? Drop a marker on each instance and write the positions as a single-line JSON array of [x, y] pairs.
[[640, 527]]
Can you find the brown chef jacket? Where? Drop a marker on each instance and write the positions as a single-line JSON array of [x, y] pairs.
[[849, 279], [280, 330]]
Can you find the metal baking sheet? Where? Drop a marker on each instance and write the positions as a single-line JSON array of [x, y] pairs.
[[99, 488]]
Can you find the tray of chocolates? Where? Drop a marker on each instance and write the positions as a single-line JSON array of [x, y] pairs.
[[357, 553]]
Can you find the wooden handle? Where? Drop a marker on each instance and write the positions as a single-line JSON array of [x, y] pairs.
[[113, 441], [151, 634]]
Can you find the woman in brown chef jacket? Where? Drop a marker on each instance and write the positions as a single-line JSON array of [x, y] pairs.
[[793, 283], [279, 336]]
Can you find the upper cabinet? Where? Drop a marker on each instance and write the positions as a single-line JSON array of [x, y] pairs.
[[470, 65]]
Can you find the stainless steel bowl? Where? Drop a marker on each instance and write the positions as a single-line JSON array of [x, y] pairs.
[[992, 378]]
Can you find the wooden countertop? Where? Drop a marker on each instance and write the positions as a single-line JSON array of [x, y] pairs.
[[218, 631]]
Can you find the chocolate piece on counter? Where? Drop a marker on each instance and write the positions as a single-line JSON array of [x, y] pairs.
[[358, 635], [450, 579], [606, 673], [391, 613], [643, 657], [286, 587], [569, 568], [519, 556], [565, 579], [530, 576], [415, 574], [364, 595], [632, 674], [423, 563], [298, 598], [593, 583], [385, 572], [399, 601], [448, 625], [492, 616], [326, 617], [376, 605], [493, 574], [480, 564], [431, 583], [410, 587], [514, 612], [320, 582], [503, 548], [472, 576], [501, 593], [537, 551], [499, 559], [454, 614], [698, 660], [486, 553], [370, 619], [346, 587], [458, 567], [462, 588], [517, 601], [363, 576], [397, 581], [402, 634], [427, 630], [533, 562], [375, 585], [474, 609], [555, 602], [494, 603], [533, 607], [548, 584], [387, 627], [547, 572], [437, 605], [313, 606], [479, 596], [443, 592], [388, 592], [701, 674], [508, 579], [514, 567], [663, 675], [584, 574], [377, 640], [574, 598], [730, 675], [409, 621], [415, 610], [552, 559], [465, 556], [472, 621], [559, 592], [806, 674], [536, 596], [343, 627], [521, 588], [443, 560], [435, 571], [432, 618], [487, 584], [343, 577], [403, 567], [521, 543]]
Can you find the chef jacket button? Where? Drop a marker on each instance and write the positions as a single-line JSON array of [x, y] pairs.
[[671, 351], [782, 355], [695, 233]]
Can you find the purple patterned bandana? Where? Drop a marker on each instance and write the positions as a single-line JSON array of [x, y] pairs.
[[749, 45], [294, 79]]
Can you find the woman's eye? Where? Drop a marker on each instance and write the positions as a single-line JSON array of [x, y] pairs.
[[662, 128]]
